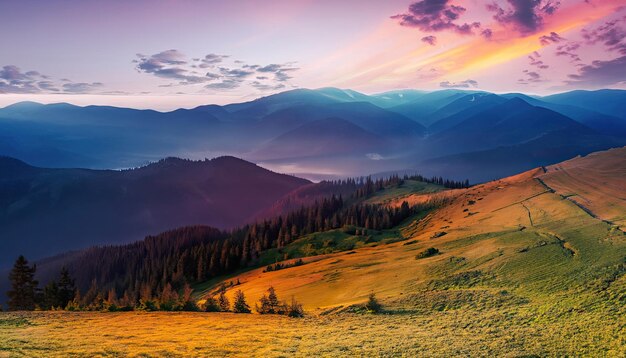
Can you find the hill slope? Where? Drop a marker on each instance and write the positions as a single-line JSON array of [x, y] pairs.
[[518, 247], [77, 208]]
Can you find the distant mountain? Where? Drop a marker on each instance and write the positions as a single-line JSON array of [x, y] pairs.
[[395, 98], [601, 123], [514, 121], [320, 138], [47, 211], [608, 101], [461, 109], [422, 107], [363, 114], [264, 106], [63, 135], [408, 126], [490, 164]]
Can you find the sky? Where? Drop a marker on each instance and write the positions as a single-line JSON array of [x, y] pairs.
[[167, 54]]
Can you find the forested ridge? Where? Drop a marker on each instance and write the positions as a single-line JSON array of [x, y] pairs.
[[175, 259]]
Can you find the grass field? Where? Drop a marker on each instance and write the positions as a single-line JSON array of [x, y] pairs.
[[509, 329], [521, 271]]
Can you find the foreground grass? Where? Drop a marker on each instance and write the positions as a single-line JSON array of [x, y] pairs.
[[421, 327]]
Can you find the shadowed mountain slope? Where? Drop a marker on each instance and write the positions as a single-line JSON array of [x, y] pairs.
[[46, 211]]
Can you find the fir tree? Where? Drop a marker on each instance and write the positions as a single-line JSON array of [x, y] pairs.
[[240, 305], [23, 286], [67, 289], [51, 297], [222, 300]]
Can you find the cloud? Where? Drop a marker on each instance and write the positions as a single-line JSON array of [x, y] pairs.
[[546, 40], [280, 71], [170, 64], [226, 84], [374, 156], [535, 61], [13, 80], [173, 65], [267, 87], [525, 16], [569, 50], [611, 34], [462, 84], [211, 60], [431, 40], [235, 72], [600, 73], [81, 87], [531, 77], [48, 86], [435, 16], [486, 33]]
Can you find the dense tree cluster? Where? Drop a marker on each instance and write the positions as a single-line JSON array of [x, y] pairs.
[[156, 273]]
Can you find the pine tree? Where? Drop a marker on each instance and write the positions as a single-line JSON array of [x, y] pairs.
[[51, 297], [272, 299], [168, 298], [23, 286], [222, 300], [263, 306], [67, 289], [187, 303], [372, 304], [240, 305]]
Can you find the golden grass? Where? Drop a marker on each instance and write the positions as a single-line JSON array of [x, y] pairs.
[[460, 332], [597, 182]]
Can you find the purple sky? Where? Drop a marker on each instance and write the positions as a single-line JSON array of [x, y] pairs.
[[169, 54]]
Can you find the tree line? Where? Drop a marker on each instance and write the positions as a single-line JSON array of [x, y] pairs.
[[25, 295], [158, 271]]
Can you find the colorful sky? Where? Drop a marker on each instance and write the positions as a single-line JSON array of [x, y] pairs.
[[173, 53]]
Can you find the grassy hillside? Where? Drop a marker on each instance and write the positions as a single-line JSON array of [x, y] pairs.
[[522, 269]]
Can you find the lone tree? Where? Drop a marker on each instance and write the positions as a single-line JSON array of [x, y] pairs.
[[373, 305], [240, 305], [23, 286], [222, 300]]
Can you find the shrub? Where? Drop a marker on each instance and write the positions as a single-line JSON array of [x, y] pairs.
[[211, 305], [431, 251], [147, 305], [294, 309], [372, 305]]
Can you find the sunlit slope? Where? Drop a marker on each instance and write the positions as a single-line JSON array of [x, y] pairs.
[[596, 182], [512, 239]]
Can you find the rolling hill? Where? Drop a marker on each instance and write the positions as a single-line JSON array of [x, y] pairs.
[[514, 264], [78, 208]]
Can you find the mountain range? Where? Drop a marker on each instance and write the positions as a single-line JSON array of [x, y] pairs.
[[328, 132]]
